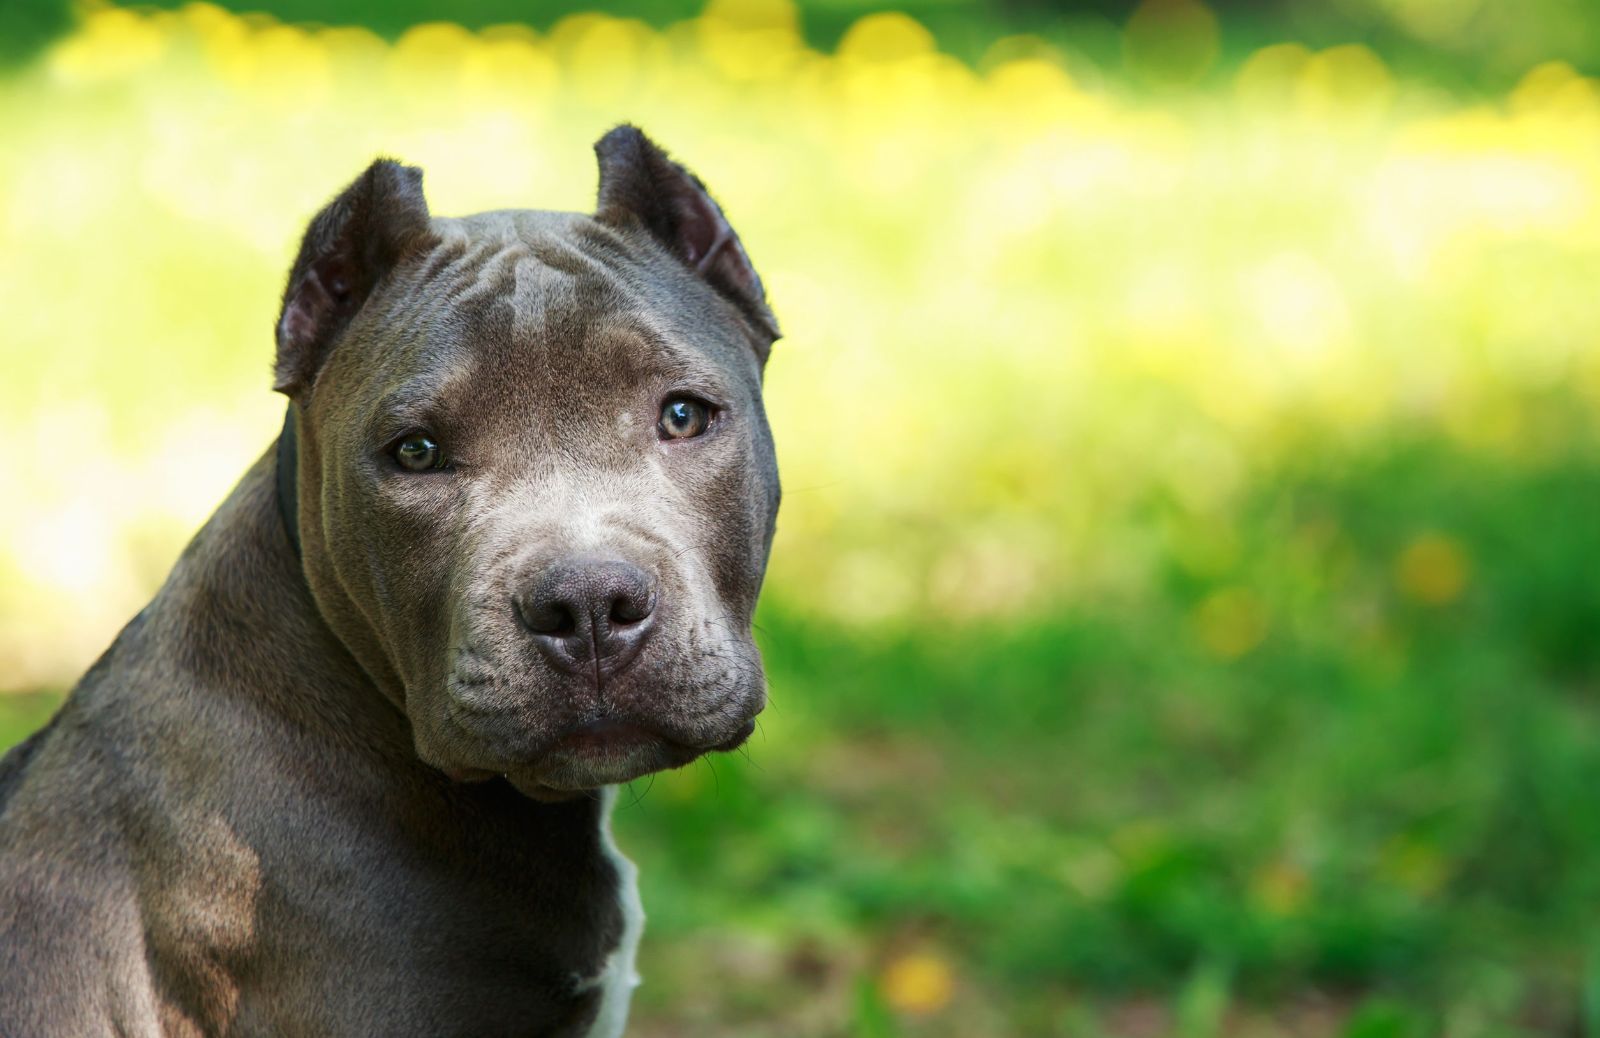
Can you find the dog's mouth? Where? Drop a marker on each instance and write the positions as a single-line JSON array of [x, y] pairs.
[[601, 752]]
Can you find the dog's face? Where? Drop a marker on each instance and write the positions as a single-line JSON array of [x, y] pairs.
[[537, 484]]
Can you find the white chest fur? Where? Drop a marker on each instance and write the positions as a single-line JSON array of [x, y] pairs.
[[619, 977]]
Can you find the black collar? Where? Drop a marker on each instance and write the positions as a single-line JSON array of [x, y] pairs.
[[288, 480]]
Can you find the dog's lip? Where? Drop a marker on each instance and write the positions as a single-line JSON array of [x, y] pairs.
[[606, 735], [611, 749], [745, 731], [606, 751]]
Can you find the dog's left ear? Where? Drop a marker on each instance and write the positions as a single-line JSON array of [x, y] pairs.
[[348, 248], [639, 183]]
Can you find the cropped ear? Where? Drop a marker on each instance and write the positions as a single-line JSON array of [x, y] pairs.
[[348, 248], [639, 183]]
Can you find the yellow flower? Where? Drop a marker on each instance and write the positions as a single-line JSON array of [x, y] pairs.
[[1432, 569], [918, 983]]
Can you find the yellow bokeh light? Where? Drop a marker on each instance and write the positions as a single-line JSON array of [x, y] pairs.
[[1433, 569], [918, 983]]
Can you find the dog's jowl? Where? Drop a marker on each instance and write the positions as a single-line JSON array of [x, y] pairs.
[[349, 772]]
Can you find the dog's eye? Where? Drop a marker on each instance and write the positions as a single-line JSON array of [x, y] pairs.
[[418, 454], [683, 417]]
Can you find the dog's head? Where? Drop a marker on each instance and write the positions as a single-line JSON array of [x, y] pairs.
[[536, 484]]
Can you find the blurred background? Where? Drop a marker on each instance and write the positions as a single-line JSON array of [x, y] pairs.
[[1185, 618]]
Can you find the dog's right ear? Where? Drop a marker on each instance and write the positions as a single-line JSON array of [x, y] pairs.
[[348, 248]]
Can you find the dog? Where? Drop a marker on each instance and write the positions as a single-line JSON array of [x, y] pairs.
[[350, 771]]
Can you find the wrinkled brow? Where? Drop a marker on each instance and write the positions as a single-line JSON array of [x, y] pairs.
[[421, 400]]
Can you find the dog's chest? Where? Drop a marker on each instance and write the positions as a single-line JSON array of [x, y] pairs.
[[384, 937]]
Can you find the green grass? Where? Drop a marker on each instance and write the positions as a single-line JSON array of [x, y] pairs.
[[22, 713]]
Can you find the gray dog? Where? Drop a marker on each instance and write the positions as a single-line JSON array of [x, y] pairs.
[[350, 772]]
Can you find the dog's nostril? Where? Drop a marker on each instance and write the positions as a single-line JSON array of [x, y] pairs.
[[630, 609], [552, 618]]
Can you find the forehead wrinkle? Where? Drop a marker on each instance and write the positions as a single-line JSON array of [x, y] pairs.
[[657, 345], [555, 283], [447, 249], [460, 272], [494, 274], [538, 291], [418, 396], [470, 255], [563, 255]]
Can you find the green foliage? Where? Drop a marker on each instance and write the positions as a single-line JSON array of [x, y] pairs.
[[1383, 1018], [873, 1018], [23, 713], [28, 25]]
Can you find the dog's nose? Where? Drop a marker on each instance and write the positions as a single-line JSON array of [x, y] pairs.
[[589, 616]]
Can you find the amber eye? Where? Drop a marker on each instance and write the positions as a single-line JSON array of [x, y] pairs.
[[418, 454], [684, 417]]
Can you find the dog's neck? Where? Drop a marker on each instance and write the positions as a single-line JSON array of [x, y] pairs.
[[286, 462], [241, 583]]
